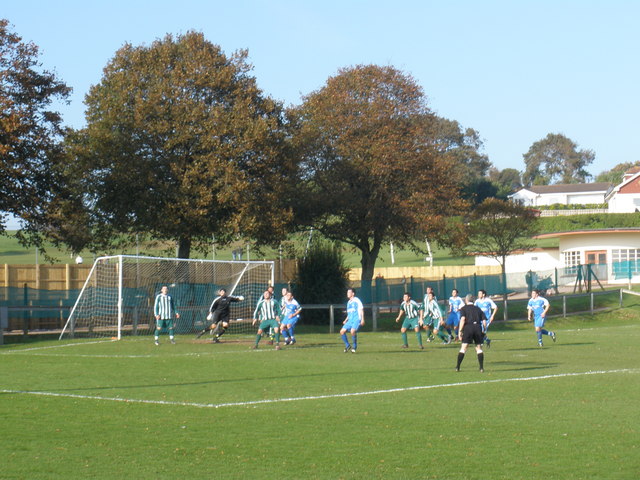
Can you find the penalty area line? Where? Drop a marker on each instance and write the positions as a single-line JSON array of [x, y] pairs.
[[316, 397]]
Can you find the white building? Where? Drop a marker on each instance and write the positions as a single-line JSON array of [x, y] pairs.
[[613, 252], [625, 197], [563, 193]]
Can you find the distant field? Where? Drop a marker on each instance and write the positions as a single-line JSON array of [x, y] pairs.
[[12, 252], [195, 410]]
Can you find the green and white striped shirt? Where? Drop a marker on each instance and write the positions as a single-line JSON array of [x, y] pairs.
[[164, 307], [411, 309], [266, 309]]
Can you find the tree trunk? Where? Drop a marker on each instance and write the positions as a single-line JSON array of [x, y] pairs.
[[505, 295], [184, 247], [368, 263]]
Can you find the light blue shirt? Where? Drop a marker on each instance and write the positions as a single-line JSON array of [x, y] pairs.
[[353, 310], [537, 305]]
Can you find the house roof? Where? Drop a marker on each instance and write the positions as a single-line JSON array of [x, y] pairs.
[[629, 177], [588, 232], [569, 188]]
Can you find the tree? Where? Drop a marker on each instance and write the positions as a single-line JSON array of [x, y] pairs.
[[371, 171], [181, 144], [507, 181], [496, 228], [30, 130], [555, 159], [616, 174], [321, 278]]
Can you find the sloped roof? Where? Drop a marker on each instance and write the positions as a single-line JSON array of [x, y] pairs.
[[570, 188], [589, 232]]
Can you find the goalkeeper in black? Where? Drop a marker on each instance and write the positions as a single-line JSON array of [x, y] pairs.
[[219, 314], [473, 323]]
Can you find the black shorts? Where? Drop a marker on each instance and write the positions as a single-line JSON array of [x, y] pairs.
[[473, 334], [219, 317]]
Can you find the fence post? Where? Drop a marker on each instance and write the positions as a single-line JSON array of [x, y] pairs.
[[444, 286], [4, 322], [25, 314], [374, 317], [620, 298], [475, 283], [506, 310], [591, 302], [331, 319], [564, 306]]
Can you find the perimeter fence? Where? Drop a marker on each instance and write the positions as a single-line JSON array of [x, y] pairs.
[[571, 290]]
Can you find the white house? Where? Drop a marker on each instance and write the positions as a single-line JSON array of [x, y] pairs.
[[563, 193], [625, 197], [613, 252]]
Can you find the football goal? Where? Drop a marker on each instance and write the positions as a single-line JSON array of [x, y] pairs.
[[118, 296]]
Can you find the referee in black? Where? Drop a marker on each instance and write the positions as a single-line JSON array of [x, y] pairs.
[[472, 323]]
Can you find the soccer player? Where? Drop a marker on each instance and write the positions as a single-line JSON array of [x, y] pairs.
[[291, 314], [411, 310], [353, 322], [219, 314], [537, 308], [472, 325], [432, 317], [267, 312], [164, 309], [428, 326], [453, 320], [489, 308]]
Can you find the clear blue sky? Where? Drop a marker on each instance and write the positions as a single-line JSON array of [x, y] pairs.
[[513, 70]]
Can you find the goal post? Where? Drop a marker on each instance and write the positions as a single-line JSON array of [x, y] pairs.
[[118, 296]]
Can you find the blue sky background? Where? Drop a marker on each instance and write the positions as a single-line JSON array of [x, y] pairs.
[[513, 70]]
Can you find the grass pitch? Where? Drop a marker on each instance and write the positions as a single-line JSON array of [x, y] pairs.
[[129, 409]]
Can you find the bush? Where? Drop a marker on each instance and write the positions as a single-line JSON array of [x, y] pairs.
[[321, 279], [589, 222]]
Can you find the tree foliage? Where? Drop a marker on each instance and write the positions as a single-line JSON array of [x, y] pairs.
[[496, 228], [321, 277], [372, 170], [181, 144], [616, 174], [30, 129], [556, 159], [507, 181]]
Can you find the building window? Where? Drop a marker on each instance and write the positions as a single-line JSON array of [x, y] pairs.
[[625, 261], [572, 261]]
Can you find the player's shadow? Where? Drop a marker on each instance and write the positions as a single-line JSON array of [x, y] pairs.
[[510, 366]]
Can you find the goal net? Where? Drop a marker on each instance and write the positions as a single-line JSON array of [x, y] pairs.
[[118, 296]]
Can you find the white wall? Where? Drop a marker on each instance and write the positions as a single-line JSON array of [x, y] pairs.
[[624, 203], [536, 261]]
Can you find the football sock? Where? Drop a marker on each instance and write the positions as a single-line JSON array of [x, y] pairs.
[[344, 339], [460, 358], [546, 332], [442, 336], [539, 334], [404, 338], [258, 337], [277, 337], [354, 340], [419, 336], [221, 331], [291, 328], [285, 334], [481, 360]]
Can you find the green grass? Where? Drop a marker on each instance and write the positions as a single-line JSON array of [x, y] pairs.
[[12, 252], [534, 413]]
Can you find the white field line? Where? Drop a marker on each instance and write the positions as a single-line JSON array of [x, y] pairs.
[[317, 397], [55, 346]]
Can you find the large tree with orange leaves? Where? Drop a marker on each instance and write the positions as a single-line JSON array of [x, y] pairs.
[[373, 168]]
